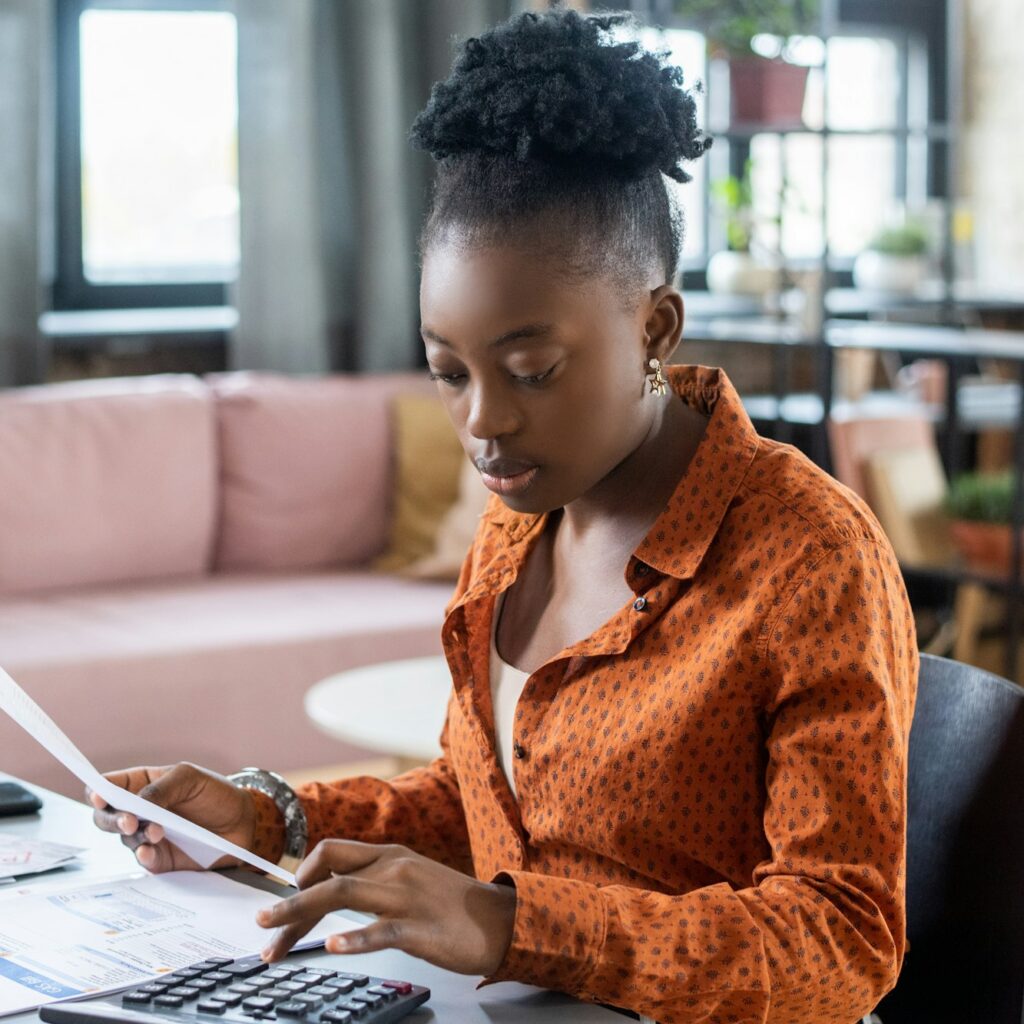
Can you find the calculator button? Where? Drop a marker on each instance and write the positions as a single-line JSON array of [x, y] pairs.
[[292, 986], [187, 974], [325, 992], [353, 1006], [211, 1006], [308, 978], [136, 997], [342, 985], [168, 1000], [154, 988], [384, 993], [257, 1003], [218, 976], [244, 989], [370, 998], [403, 988], [309, 1001], [336, 1017], [218, 961], [229, 998], [203, 984], [261, 983], [276, 993], [357, 979], [245, 968], [324, 972], [291, 1009], [183, 991]]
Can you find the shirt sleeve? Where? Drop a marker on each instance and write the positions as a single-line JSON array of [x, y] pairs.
[[421, 809], [819, 934]]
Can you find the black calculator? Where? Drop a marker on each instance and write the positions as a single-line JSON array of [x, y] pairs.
[[247, 990]]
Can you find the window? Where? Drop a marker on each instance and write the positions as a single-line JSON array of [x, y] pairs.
[[147, 153], [868, 154]]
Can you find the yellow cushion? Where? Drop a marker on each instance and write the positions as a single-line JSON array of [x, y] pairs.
[[429, 458], [455, 532]]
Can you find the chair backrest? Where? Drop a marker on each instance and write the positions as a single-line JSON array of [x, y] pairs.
[[965, 852]]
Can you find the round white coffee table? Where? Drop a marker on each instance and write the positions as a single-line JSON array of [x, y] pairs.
[[395, 708]]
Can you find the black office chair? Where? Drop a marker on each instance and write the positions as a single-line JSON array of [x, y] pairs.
[[965, 852]]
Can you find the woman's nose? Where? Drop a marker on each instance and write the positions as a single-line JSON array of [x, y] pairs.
[[491, 414]]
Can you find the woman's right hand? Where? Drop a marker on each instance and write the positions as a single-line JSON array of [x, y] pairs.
[[201, 796]]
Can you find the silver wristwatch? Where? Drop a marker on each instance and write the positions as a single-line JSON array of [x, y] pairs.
[[286, 801]]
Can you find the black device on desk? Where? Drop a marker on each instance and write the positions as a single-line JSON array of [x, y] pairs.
[[246, 990], [15, 799]]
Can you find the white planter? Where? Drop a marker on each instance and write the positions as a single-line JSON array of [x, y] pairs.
[[881, 272], [737, 273]]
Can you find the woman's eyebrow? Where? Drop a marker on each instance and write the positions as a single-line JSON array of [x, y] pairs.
[[536, 330]]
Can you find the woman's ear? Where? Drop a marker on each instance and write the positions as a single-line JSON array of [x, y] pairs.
[[663, 327]]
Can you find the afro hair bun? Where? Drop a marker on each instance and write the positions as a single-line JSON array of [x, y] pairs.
[[557, 87]]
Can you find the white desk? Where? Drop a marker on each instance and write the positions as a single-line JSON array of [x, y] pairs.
[[453, 996], [395, 708]]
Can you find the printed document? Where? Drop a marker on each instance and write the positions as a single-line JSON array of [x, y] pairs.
[[61, 943], [19, 857], [203, 846]]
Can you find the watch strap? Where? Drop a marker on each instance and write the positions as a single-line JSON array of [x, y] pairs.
[[285, 799]]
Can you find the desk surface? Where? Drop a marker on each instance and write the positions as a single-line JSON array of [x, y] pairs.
[[453, 996]]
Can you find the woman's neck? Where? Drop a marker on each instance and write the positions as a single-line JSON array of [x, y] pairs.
[[621, 509]]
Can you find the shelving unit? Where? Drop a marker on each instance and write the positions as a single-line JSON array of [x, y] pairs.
[[947, 306]]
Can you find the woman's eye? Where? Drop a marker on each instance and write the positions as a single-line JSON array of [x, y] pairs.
[[536, 378], [446, 378]]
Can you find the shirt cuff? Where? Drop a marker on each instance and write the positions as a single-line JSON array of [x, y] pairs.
[[557, 935], [269, 831]]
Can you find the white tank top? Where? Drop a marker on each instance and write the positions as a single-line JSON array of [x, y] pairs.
[[507, 684]]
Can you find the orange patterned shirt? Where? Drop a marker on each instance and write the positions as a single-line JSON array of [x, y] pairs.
[[711, 817]]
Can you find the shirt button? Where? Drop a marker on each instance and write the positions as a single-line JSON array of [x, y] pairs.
[[642, 568], [640, 604], [519, 750]]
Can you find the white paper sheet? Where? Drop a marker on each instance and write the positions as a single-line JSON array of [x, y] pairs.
[[72, 941], [20, 857], [203, 846]]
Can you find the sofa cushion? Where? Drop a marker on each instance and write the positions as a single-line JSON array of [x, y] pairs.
[[306, 468], [211, 670], [106, 481], [428, 461]]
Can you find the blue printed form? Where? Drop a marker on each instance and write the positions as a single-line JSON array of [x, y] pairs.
[[59, 943]]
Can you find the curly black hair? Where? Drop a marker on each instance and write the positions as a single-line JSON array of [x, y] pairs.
[[551, 133]]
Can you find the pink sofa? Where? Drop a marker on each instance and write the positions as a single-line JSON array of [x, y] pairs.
[[180, 559]]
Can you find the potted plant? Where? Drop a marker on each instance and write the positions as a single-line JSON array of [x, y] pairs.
[[980, 507], [896, 260], [734, 271], [763, 91]]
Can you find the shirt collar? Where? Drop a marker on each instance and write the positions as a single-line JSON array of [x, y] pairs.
[[681, 535]]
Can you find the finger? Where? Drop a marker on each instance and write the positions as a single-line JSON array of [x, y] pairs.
[[155, 858], [295, 916], [344, 892], [391, 933], [116, 821], [339, 856]]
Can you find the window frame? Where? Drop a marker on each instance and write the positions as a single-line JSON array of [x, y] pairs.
[[71, 289]]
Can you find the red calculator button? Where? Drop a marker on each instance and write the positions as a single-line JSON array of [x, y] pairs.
[[403, 988]]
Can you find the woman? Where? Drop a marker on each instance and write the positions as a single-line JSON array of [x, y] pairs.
[[683, 661]]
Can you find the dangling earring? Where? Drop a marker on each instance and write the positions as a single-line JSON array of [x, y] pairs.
[[659, 386]]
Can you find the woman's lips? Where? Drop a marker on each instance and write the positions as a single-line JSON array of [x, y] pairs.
[[506, 476]]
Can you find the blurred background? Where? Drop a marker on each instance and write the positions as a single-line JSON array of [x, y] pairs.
[[206, 186]]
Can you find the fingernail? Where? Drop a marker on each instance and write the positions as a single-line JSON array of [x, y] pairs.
[[263, 917], [339, 943], [122, 822]]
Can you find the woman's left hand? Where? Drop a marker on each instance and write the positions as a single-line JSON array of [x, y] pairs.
[[423, 908]]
